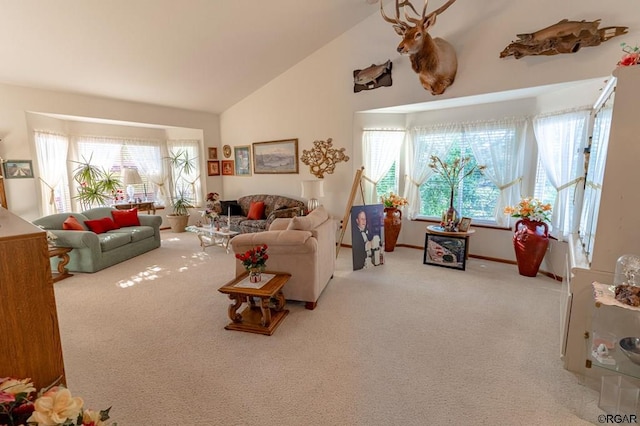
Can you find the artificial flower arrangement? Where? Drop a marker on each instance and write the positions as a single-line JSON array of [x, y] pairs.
[[256, 258], [631, 55], [393, 201], [209, 214], [53, 406], [117, 195], [449, 222], [530, 208]]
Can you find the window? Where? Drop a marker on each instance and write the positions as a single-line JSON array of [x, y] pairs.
[[475, 196], [561, 138], [389, 182], [382, 154], [51, 151], [114, 155], [544, 190]]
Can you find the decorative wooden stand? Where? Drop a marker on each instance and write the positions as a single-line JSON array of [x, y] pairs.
[[63, 255], [262, 318]]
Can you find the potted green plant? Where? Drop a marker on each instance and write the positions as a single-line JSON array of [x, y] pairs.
[[96, 187], [181, 164]]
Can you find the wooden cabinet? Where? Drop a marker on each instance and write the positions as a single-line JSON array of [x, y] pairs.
[[29, 336], [616, 231]]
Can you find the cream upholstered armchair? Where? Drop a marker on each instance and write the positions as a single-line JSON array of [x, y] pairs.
[[303, 246]]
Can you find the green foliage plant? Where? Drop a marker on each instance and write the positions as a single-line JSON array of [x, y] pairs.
[[96, 186], [181, 165]]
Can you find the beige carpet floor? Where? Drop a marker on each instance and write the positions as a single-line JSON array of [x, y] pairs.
[[399, 344]]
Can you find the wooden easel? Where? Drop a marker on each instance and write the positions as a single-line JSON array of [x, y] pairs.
[[357, 183]]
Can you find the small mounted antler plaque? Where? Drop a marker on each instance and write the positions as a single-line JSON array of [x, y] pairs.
[[323, 158]]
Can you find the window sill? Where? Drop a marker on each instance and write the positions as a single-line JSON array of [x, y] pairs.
[[474, 224]]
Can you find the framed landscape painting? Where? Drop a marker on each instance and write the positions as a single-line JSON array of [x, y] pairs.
[[445, 251], [275, 156], [242, 157], [18, 169]]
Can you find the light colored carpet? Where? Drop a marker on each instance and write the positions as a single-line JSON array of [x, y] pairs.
[[399, 344]]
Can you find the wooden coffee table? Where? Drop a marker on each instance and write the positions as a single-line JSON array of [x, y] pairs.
[[261, 318]]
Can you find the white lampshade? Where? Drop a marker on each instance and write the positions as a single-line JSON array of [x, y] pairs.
[[312, 190], [130, 176]]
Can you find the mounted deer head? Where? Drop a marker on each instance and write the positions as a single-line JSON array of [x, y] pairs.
[[434, 59]]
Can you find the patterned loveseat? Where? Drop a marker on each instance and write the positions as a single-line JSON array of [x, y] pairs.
[[275, 206]]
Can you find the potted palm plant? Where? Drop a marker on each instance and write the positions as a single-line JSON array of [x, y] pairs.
[[181, 165], [96, 187]]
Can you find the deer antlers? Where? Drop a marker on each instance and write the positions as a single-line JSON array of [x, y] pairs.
[[407, 3]]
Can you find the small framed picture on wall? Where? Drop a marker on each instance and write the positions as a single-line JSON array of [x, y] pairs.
[[227, 167], [18, 169], [213, 153], [242, 155], [213, 168]]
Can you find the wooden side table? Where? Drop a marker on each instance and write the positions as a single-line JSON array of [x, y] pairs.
[[63, 254], [257, 318], [148, 206]]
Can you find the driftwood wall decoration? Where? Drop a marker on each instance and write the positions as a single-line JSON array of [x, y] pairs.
[[372, 77], [564, 37], [323, 158]]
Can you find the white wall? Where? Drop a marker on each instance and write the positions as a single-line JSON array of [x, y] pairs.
[[17, 139], [315, 99]]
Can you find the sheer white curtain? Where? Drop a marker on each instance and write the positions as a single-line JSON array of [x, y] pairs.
[[147, 156], [51, 152], [380, 149], [422, 143], [498, 145], [561, 138], [192, 179]]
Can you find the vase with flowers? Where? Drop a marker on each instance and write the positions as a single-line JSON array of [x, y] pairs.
[[631, 55], [453, 173], [254, 261], [393, 219], [531, 236], [210, 216], [52, 406]]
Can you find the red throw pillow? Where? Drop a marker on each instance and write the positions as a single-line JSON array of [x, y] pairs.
[[124, 218], [256, 210], [72, 224], [100, 226]]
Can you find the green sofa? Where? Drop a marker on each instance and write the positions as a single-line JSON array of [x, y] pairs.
[[93, 252]]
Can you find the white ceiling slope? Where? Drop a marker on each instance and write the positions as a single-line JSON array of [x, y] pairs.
[[202, 55]]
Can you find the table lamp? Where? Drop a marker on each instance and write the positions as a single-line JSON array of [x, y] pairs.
[[312, 189], [130, 177]]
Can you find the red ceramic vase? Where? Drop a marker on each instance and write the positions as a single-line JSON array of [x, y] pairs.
[[392, 226], [530, 242]]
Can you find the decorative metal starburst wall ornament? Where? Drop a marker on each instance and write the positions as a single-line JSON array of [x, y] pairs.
[[323, 158]]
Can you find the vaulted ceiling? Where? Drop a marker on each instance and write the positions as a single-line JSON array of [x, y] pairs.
[[203, 55]]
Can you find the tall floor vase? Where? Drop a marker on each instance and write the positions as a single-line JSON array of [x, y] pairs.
[[530, 241], [392, 226]]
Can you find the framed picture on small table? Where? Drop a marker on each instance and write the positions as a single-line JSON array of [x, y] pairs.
[[464, 224], [446, 251]]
